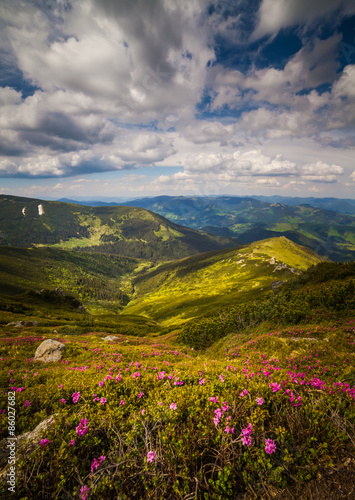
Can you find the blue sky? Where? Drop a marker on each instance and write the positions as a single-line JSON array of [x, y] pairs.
[[125, 98]]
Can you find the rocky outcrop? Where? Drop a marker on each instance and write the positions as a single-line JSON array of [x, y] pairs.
[[20, 324], [50, 350], [25, 443]]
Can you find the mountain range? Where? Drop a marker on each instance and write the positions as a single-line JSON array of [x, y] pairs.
[[326, 225], [119, 230]]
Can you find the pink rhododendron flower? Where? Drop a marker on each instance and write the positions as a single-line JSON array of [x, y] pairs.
[[75, 396], [248, 430], [122, 402], [246, 440], [243, 393], [27, 403], [151, 456], [103, 401], [72, 442], [82, 428], [96, 463], [275, 387], [270, 446], [259, 401], [173, 406], [141, 394], [44, 442], [63, 401], [84, 492]]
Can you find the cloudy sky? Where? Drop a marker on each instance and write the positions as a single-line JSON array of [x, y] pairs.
[[126, 98]]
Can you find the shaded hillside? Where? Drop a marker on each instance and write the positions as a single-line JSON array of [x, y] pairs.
[[95, 280], [251, 219], [135, 232], [193, 286]]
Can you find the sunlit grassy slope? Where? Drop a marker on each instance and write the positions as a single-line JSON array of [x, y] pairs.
[[194, 286]]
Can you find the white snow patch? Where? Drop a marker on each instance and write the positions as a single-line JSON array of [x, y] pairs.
[[24, 210], [40, 210]]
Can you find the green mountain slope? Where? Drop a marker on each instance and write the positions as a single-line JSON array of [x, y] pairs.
[[250, 219], [97, 281], [194, 286], [134, 232]]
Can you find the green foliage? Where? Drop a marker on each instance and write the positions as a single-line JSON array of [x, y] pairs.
[[293, 303]]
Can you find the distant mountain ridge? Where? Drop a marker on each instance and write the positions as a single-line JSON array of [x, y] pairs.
[[120, 230], [250, 219], [339, 205]]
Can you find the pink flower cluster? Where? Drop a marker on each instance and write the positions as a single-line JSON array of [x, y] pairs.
[[96, 463], [84, 492], [270, 446], [219, 412], [82, 428], [246, 433], [75, 396], [243, 393], [44, 442], [151, 456], [275, 387]]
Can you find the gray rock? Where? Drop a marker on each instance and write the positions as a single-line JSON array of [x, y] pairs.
[[110, 338], [25, 443], [276, 284], [49, 350], [19, 324]]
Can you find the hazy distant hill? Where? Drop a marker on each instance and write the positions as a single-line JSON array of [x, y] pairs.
[[343, 206], [249, 219], [134, 232], [190, 287]]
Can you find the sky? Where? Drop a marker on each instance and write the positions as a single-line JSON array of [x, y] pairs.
[[105, 99]]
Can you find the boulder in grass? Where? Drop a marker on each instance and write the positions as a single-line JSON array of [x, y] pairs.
[[110, 338], [25, 443], [50, 350]]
